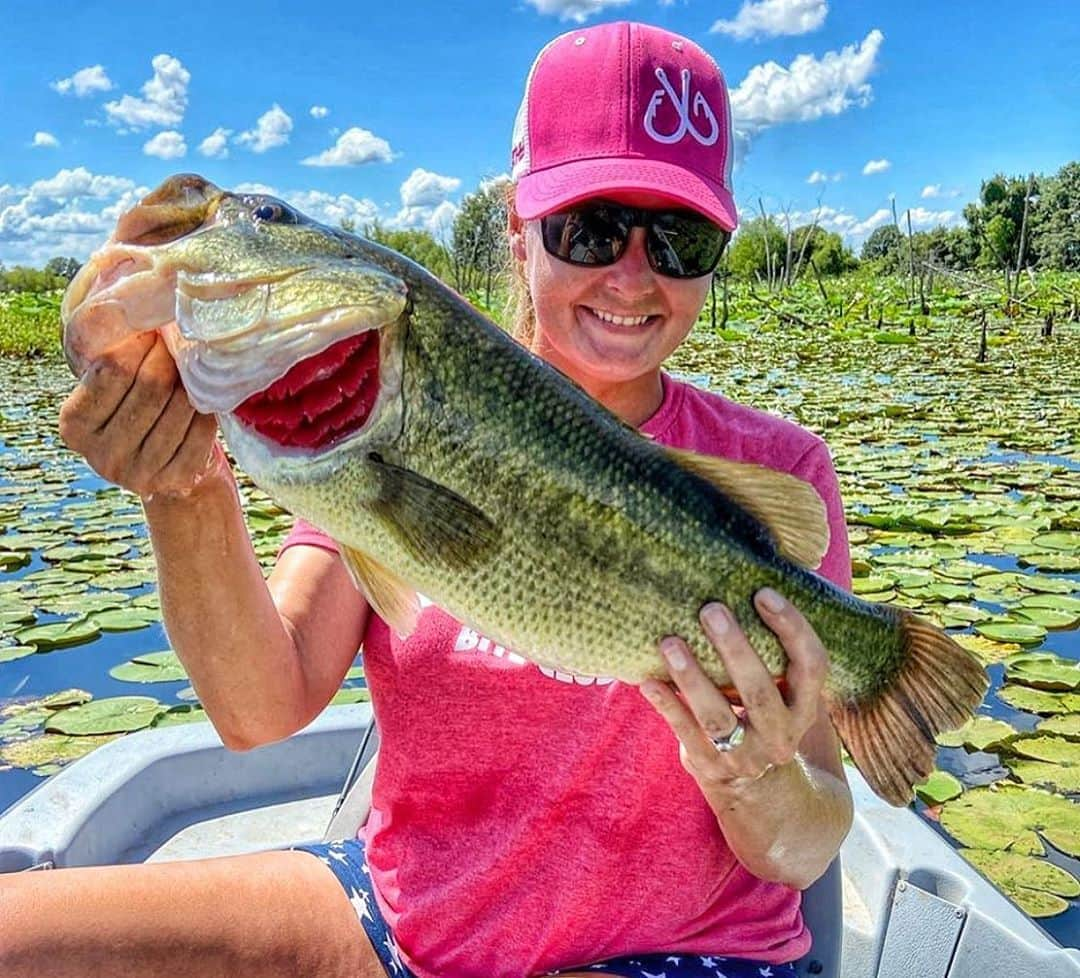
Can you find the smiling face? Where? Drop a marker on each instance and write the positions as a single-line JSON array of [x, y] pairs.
[[609, 328]]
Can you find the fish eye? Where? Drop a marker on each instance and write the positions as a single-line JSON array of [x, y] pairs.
[[276, 213]]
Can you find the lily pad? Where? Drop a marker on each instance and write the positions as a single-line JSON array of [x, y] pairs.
[[986, 650], [1046, 774], [115, 714], [980, 733], [1045, 747], [151, 667], [42, 752], [1066, 725], [9, 653], [940, 787], [1010, 631], [1052, 561], [1039, 700], [1050, 618], [1036, 886], [125, 619], [1014, 818], [179, 715], [58, 635], [1043, 671]]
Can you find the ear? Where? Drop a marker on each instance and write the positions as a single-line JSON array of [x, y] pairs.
[[515, 229]]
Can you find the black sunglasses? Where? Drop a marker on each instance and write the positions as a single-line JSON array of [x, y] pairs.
[[679, 243]]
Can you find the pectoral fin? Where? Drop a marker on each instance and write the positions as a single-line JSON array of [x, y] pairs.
[[789, 508], [393, 600], [434, 523]]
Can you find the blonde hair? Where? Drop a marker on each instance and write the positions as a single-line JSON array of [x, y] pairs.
[[520, 312]]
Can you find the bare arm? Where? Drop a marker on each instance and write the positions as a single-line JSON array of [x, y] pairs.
[[264, 659]]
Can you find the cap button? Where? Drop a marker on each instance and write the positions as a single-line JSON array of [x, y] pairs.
[[579, 41], [677, 45]]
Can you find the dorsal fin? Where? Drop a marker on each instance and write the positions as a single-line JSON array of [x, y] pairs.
[[790, 509], [394, 601]]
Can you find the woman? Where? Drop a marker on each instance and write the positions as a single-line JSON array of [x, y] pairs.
[[543, 826]]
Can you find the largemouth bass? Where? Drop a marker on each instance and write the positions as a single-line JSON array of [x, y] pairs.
[[365, 396]]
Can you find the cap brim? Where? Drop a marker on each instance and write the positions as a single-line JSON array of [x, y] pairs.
[[558, 187]]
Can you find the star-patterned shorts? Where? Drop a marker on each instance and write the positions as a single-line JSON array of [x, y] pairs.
[[347, 862]]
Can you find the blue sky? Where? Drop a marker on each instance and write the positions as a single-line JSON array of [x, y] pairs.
[[395, 110]]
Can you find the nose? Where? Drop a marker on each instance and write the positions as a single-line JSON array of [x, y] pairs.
[[632, 275]]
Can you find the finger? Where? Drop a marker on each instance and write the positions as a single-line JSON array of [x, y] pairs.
[[194, 458], [101, 389], [808, 661], [754, 683], [666, 701], [707, 704], [164, 439], [122, 436]]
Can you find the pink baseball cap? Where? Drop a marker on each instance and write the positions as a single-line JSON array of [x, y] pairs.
[[624, 106]]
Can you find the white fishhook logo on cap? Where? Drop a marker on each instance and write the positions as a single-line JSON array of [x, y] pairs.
[[682, 106]]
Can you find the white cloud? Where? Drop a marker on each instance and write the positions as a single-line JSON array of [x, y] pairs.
[[215, 146], [922, 218], [883, 215], [61, 215], [576, 10], [354, 146], [80, 182], [934, 190], [329, 209], [164, 98], [809, 88], [255, 188], [819, 177], [319, 111], [45, 139], [84, 82], [272, 130], [422, 188], [772, 18], [875, 166], [167, 145]]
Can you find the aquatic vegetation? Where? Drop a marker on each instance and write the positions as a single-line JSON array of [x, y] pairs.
[[962, 486]]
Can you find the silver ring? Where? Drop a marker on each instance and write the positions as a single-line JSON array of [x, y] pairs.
[[732, 740]]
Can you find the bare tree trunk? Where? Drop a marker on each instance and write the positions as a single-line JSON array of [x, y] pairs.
[[768, 250], [1021, 245]]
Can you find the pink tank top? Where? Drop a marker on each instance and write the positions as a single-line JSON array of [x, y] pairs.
[[525, 820]]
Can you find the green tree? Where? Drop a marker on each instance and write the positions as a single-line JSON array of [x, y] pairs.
[[65, 268], [758, 251], [414, 243], [825, 248], [885, 246], [24, 279], [478, 239], [1056, 229], [949, 247], [996, 219]]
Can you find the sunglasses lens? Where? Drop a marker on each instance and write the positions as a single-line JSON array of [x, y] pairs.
[[586, 236], [680, 244], [684, 245]]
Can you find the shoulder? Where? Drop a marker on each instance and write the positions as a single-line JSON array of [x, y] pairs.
[[707, 422]]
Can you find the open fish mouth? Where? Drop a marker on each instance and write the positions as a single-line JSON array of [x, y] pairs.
[[321, 400]]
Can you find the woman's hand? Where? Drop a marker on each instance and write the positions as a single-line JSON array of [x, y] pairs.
[[774, 722], [131, 419]]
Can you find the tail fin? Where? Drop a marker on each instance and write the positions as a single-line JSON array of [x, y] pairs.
[[891, 738]]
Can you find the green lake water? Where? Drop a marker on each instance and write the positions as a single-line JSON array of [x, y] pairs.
[[961, 484]]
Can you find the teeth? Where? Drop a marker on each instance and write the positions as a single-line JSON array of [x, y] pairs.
[[610, 317]]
